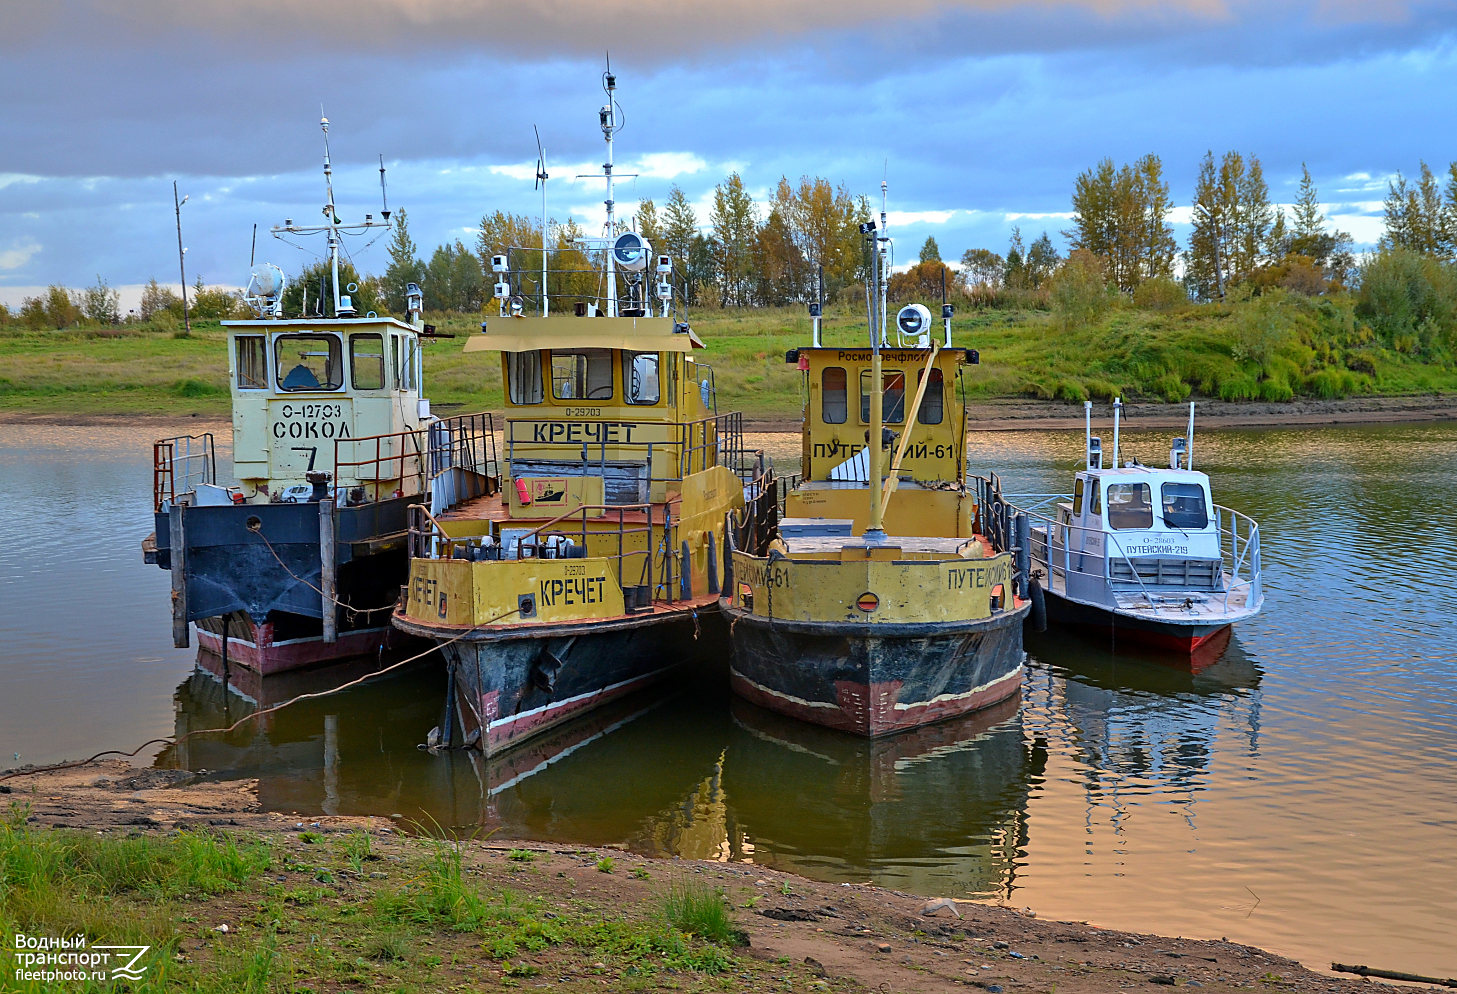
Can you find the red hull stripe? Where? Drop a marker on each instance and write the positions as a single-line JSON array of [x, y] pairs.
[[876, 719], [507, 731], [267, 657]]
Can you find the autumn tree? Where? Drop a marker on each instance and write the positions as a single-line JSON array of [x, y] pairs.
[[649, 225], [735, 225], [1309, 238], [1014, 273], [1042, 260], [823, 221], [922, 283], [930, 251], [56, 308], [1121, 215], [453, 279], [679, 230], [981, 267], [405, 266], [156, 299]]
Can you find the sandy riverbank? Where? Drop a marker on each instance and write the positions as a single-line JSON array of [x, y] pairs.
[[802, 934]]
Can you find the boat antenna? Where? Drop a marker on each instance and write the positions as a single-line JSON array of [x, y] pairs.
[[611, 119], [541, 178], [333, 227], [1189, 443], [817, 309], [253, 252], [882, 253], [1117, 411], [384, 197]]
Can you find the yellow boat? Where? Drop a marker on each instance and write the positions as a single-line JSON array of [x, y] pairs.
[[582, 577], [882, 601]]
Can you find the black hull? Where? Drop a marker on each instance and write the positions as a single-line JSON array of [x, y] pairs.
[[266, 579], [509, 686], [876, 679]]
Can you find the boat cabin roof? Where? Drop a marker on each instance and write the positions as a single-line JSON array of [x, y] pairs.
[[634, 334], [1150, 474], [255, 325]]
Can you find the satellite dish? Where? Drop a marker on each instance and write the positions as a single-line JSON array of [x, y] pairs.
[[630, 252]]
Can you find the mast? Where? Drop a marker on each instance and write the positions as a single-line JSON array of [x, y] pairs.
[[881, 259], [331, 218], [875, 532], [608, 116], [332, 226]]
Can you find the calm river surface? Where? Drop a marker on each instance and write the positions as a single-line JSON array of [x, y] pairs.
[[1300, 794]]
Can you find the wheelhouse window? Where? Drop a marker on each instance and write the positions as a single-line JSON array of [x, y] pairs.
[[523, 377], [582, 375], [1129, 506], [834, 395], [252, 362], [932, 401], [1095, 506], [409, 365], [893, 407], [309, 362], [1184, 505], [366, 361], [1078, 497], [640, 371]]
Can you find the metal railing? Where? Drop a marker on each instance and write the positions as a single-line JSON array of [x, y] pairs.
[[429, 540], [181, 464], [417, 456]]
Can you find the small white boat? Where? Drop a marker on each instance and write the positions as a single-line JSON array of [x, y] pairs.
[[1143, 549]]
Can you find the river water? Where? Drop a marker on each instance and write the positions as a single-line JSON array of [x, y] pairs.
[[1300, 793]]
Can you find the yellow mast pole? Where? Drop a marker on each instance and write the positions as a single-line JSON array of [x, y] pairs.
[[876, 530]]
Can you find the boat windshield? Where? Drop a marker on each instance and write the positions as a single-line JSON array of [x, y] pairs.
[[1184, 505], [1129, 506]]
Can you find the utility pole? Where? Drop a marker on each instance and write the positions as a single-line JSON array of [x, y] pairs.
[[181, 269]]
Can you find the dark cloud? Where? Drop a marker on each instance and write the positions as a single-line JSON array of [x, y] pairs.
[[990, 106]]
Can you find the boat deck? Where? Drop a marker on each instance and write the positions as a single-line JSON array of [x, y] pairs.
[[921, 545], [1193, 607], [495, 508]]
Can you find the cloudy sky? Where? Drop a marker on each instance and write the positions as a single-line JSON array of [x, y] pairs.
[[981, 112]]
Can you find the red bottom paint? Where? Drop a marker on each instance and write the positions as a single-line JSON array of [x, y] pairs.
[[501, 733], [255, 649], [871, 709]]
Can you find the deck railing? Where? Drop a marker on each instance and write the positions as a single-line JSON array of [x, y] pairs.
[[180, 465], [558, 539], [417, 456]]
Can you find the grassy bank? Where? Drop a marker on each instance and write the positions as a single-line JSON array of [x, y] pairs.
[[314, 910], [1273, 349]]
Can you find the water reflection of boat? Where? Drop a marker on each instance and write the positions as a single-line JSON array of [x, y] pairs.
[[938, 808], [1141, 724], [358, 753]]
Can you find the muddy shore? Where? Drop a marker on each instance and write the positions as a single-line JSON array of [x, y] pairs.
[[986, 415], [825, 936]]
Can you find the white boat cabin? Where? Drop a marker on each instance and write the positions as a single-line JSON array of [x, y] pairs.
[[304, 389], [1157, 522]]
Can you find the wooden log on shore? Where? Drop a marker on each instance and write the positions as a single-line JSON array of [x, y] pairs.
[[1411, 978]]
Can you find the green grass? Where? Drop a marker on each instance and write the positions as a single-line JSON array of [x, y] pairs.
[[697, 909], [1274, 348]]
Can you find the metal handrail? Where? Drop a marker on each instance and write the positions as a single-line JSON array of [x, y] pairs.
[[429, 540], [471, 445], [167, 463]]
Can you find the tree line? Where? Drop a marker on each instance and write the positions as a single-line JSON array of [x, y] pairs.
[[744, 254]]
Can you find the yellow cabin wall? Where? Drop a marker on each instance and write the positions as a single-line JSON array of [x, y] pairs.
[[934, 452], [908, 591], [911, 511]]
